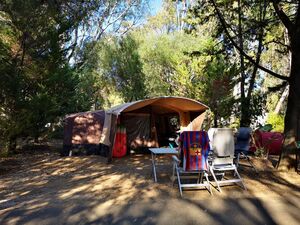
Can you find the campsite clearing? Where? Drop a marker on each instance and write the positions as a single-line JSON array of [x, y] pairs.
[[43, 188]]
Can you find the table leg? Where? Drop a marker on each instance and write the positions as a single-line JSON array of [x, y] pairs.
[[153, 165]]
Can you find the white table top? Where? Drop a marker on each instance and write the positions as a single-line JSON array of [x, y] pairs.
[[163, 150]]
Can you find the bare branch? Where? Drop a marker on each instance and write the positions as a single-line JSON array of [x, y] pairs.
[[115, 20], [108, 12]]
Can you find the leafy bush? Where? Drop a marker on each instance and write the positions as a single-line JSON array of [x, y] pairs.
[[261, 152], [277, 121]]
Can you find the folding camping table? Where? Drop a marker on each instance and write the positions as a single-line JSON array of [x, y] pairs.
[[160, 151]]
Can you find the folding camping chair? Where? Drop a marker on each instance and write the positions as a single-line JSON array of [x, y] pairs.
[[242, 146], [223, 156], [194, 149]]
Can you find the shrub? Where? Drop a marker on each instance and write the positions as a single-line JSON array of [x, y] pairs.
[[277, 121], [261, 152]]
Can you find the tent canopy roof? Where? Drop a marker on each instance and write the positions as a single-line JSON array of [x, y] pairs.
[[174, 103]]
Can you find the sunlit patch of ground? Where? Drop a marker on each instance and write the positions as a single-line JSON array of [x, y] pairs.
[[47, 189]]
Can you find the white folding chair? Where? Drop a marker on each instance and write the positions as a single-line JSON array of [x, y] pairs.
[[223, 158]]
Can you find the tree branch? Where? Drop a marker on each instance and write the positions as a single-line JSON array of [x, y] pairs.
[[241, 45], [73, 46], [262, 12], [282, 16], [249, 58], [279, 43]]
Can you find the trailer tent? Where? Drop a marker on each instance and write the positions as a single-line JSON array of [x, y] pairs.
[[150, 122]]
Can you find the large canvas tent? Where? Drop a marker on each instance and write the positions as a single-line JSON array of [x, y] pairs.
[[150, 122]]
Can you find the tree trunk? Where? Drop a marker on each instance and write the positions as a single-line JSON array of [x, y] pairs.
[[291, 131], [246, 99], [281, 100], [244, 106], [292, 118], [245, 113]]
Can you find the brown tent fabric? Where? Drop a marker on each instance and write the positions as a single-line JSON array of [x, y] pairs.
[[83, 130], [138, 133]]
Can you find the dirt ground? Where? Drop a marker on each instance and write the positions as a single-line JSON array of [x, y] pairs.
[[44, 188]]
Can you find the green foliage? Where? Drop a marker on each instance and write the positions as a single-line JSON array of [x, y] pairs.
[[261, 152], [125, 69], [115, 70], [216, 89], [154, 61], [37, 85], [277, 121], [173, 53], [267, 127], [251, 25], [165, 61], [257, 106]]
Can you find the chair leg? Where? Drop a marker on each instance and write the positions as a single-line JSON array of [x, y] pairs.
[[238, 160], [236, 172], [207, 180], [200, 178], [214, 176], [251, 164], [178, 179], [173, 174], [248, 159]]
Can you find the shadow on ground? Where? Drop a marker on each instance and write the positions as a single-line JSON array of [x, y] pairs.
[[87, 190]]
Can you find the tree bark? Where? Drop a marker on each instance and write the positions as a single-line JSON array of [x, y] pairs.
[[244, 107], [287, 159], [282, 99]]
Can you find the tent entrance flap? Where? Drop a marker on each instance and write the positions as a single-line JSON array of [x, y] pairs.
[[149, 130], [138, 130]]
